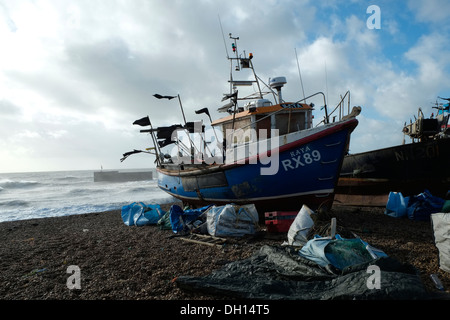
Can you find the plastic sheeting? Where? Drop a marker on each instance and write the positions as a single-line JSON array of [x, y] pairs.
[[141, 214], [421, 206], [164, 222], [339, 252], [396, 205], [446, 206], [281, 273], [182, 220], [417, 207], [232, 220]]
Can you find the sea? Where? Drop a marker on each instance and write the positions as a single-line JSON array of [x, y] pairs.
[[33, 195]]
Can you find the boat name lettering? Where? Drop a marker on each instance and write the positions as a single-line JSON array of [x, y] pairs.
[[291, 105], [300, 159], [299, 151], [428, 152]]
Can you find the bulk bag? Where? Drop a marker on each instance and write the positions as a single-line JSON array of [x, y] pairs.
[[441, 227], [231, 220]]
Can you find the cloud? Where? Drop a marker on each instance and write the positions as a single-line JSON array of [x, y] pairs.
[[7, 108], [356, 58], [76, 74], [399, 95], [436, 12], [8, 20]]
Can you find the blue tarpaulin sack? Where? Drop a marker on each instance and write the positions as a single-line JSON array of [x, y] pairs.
[[396, 205], [141, 214], [421, 207], [179, 218]]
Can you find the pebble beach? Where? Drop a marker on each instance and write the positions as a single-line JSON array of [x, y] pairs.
[[120, 262]]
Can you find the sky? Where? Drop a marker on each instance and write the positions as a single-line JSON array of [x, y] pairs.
[[75, 75]]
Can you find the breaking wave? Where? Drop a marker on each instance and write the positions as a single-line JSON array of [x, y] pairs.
[[46, 194], [84, 191], [14, 204], [68, 178], [11, 184]]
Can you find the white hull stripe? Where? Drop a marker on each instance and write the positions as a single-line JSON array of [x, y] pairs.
[[321, 192]]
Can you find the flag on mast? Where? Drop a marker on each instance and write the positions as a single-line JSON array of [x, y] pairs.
[[143, 122], [158, 96]]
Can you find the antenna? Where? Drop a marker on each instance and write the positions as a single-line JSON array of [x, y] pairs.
[[235, 50], [326, 78], [300, 74], [223, 36]]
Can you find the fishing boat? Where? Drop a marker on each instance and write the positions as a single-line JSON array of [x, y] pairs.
[[270, 154], [367, 178]]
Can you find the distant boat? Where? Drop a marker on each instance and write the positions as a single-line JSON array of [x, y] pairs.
[[282, 170], [367, 178]]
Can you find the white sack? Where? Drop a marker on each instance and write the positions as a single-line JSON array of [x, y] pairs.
[[441, 227], [299, 229]]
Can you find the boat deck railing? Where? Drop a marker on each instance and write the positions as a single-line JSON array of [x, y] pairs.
[[284, 109], [340, 107]]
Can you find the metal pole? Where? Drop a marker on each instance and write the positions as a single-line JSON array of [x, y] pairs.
[[155, 143], [181, 106]]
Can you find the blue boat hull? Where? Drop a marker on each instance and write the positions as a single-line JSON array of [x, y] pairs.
[[307, 173]]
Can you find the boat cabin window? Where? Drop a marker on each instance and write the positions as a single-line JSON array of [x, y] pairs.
[[286, 121], [239, 123], [290, 122], [264, 122], [239, 136]]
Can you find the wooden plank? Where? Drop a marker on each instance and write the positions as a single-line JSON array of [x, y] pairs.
[[198, 242], [204, 239]]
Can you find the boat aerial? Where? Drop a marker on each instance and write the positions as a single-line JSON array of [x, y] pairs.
[[367, 178], [263, 151]]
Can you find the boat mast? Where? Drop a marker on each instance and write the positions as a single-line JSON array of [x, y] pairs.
[[241, 63]]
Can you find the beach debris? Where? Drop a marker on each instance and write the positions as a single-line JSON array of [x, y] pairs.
[[164, 222], [210, 225], [437, 282], [332, 250], [300, 227], [339, 252], [141, 214], [35, 271], [30, 240], [446, 206], [276, 273], [204, 239], [417, 207], [216, 221], [185, 221], [232, 220], [279, 221]]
